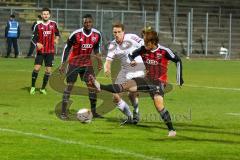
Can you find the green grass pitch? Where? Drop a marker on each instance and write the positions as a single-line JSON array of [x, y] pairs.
[[205, 112]]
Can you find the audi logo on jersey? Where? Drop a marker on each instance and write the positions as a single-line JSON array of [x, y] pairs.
[[85, 46], [151, 62], [46, 33]]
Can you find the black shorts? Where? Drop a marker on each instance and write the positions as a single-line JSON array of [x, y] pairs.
[[47, 58], [152, 87], [83, 72]]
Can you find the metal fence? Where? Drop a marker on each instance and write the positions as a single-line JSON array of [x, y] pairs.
[[71, 19], [190, 32], [207, 34]]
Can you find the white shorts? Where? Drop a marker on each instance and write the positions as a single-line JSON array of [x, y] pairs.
[[126, 74]]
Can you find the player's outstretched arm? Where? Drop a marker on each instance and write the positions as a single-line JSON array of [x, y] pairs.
[[56, 40], [136, 53], [35, 36], [107, 67], [176, 59], [99, 60]]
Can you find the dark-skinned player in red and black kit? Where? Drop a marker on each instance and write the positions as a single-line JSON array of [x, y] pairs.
[[78, 50]]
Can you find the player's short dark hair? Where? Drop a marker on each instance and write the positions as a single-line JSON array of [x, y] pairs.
[[118, 25], [46, 9], [12, 16], [151, 36], [88, 16]]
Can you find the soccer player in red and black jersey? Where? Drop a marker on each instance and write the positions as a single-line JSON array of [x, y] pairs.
[[156, 59], [80, 45], [45, 36]]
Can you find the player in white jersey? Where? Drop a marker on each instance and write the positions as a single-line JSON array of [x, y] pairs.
[[119, 48]]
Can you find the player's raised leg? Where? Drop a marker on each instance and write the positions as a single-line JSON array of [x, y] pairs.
[[128, 86]]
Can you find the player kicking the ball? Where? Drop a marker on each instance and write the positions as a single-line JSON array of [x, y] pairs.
[[155, 58]]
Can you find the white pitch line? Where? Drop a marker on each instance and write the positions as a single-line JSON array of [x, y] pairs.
[[22, 70], [116, 151], [209, 87], [233, 114]]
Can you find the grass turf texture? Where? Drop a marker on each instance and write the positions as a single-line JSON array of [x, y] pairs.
[[206, 127]]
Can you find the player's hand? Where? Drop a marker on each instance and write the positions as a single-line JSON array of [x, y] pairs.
[[62, 69], [56, 41], [133, 63], [39, 46]]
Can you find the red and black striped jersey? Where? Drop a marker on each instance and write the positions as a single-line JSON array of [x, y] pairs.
[[45, 34], [156, 63], [82, 45]]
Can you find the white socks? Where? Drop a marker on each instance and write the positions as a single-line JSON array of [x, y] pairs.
[[124, 108]]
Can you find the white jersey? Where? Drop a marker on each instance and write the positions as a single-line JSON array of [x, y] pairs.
[[130, 43]]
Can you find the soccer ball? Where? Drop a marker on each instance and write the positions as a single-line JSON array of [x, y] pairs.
[[84, 115]]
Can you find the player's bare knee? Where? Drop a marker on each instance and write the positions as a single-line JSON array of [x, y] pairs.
[[37, 68], [158, 101], [132, 89], [130, 86], [116, 98]]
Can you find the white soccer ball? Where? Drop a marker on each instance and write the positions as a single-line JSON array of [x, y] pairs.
[[84, 115]]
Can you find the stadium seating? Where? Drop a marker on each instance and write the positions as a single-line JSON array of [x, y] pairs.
[[218, 11]]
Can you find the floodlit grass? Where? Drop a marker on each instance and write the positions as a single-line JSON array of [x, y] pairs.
[[205, 112]]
